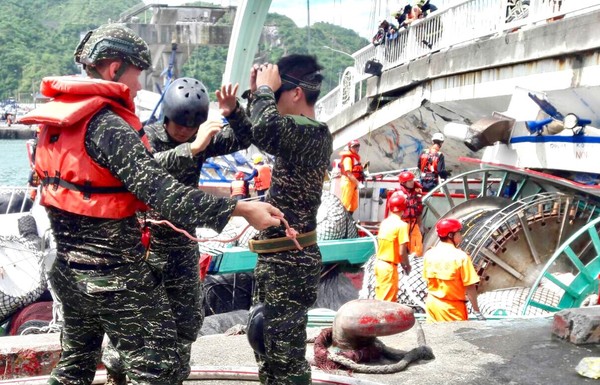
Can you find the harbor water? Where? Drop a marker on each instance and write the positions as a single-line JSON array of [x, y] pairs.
[[14, 167]]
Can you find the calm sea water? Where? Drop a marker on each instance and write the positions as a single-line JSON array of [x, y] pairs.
[[14, 166]]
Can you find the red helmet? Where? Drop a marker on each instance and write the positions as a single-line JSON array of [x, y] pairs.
[[353, 143], [406, 176], [446, 226], [397, 202], [239, 175]]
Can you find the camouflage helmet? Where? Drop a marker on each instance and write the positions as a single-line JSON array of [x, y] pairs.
[[113, 41]]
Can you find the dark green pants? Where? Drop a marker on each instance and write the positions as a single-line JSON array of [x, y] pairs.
[[130, 305], [287, 284], [179, 265]]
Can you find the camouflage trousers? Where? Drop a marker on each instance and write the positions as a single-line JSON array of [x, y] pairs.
[[179, 265], [287, 284], [126, 302]]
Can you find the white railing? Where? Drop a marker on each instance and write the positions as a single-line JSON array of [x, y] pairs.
[[463, 22]]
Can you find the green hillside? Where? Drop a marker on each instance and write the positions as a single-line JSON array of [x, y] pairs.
[[37, 39]]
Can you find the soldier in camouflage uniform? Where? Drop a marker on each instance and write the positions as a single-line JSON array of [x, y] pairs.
[[96, 172], [181, 148], [282, 113]]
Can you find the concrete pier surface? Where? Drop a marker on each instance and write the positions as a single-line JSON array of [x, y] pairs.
[[16, 131], [510, 351]]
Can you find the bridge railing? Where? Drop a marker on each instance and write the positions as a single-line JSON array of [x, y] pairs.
[[460, 23]]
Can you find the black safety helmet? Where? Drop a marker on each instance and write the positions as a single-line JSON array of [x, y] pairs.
[[186, 102], [255, 329], [113, 41]]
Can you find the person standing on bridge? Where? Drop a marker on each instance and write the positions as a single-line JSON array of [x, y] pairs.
[[450, 275], [181, 143], [432, 163], [97, 172], [286, 278], [353, 176]]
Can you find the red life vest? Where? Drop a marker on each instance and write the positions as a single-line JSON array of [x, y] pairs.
[[263, 180], [414, 203], [72, 181], [238, 187], [357, 168]]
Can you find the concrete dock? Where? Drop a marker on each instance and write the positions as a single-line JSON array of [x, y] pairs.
[[510, 351], [515, 351], [16, 131]]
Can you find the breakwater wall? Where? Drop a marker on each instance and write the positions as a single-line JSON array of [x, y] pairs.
[[16, 131]]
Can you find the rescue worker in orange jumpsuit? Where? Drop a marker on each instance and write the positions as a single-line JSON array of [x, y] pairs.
[[239, 187], [450, 276], [392, 249], [352, 176], [261, 175], [432, 163], [412, 214]]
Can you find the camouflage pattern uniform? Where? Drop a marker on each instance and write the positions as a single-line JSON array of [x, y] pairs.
[[287, 282], [173, 250], [102, 275]]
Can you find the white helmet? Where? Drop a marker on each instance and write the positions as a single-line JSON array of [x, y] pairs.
[[438, 136]]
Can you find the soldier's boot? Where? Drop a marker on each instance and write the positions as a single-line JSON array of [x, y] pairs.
[[113, 378]]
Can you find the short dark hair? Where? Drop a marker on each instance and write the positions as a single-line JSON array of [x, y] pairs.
[[302, 71]]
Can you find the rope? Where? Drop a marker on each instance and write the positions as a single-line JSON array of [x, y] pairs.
[[289, 232], [328, 360]]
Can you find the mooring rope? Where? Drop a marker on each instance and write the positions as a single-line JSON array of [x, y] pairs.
[[328, 360]]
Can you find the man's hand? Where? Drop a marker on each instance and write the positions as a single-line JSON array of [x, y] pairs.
[[268, 75], [406, 268], [253, 72], [226, 97], [259, 215], [205, 134]]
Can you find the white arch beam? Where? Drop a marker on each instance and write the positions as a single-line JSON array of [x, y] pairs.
[[247, 27]]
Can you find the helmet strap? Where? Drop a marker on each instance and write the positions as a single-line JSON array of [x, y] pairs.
[[122, 68], [93, 72]]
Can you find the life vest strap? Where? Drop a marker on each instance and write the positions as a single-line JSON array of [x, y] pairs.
[[86, 189]]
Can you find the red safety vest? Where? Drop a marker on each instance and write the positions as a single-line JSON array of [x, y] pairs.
[[414, 204], [238, 187], [72, 180], [263, 180], [357, 168]]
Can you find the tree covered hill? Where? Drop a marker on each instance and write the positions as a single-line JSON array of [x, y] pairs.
[[38, 37]]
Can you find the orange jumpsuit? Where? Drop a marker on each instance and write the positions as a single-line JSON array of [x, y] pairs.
[[447, 270], [349, 196], [393, 232]]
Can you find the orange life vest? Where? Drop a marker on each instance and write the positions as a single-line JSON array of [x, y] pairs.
[[428, 162], [72, 181], [263, 180], [357, 168], [238, 187]]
